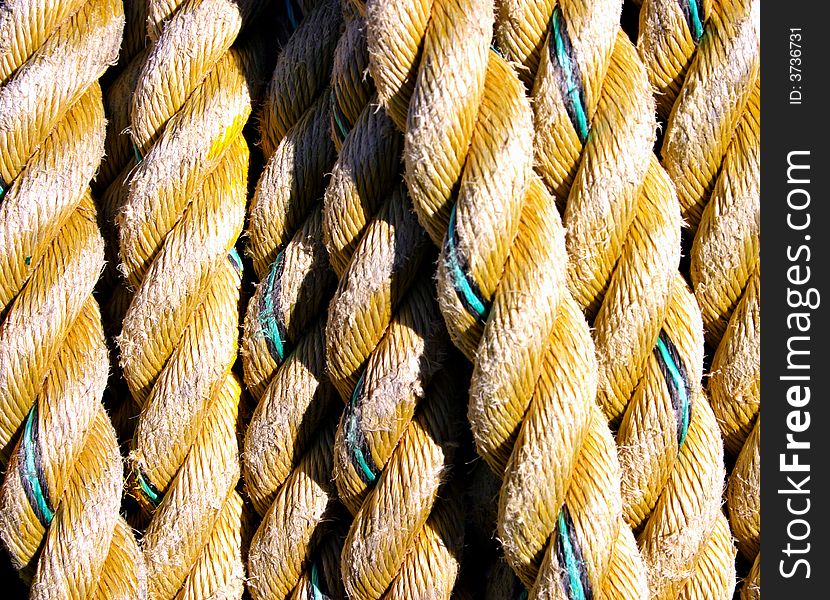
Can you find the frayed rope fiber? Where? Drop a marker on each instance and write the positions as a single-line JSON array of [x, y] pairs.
[[394, 297], [715, 165], [62, 485], [287, 455], [182, 211]]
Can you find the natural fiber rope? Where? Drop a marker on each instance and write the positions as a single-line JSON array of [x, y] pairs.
[[502, 291], [711, 57], [386, 347], [289, 441], [117, 97], [594, 135], [60, 500], [183, 211], [109, 191], [751, 589]]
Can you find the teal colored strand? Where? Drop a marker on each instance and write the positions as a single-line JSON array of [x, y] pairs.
[[577, 591], [138, 157], [340, 127], [291, 18], [30, 468], [681, 387], [351, 436], [267, 320], [522, 595], [697, 25], [573, 91], [2, 189], [315, 583], [148, 490], [460, 282]]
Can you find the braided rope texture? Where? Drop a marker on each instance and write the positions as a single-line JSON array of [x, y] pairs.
[[387, 357], [503, 291], [289, 442], [594, 119], [455, 197], [182, 211], [61, 494], [713, 58], [109, 191]]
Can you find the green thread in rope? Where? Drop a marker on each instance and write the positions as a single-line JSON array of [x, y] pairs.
[[291, 17], [149, 490], [2, 189], [138, 157], [30, 469], [522, 595], [268, 315], [573, 92], [352, 429], [460, 281], [316, 594], [571, 563], [341, 128], [680, 384], [697, 25]]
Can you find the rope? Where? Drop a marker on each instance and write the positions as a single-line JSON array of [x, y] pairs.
[[594, 136], [502, 278], [710, 573], [288, 444], [60, 499], [751, 589], [109, 190], [624, 243], [386, 354], [117, 98], [181, 216], [715, 62]]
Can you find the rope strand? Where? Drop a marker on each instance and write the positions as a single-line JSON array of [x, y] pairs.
[[183, 212], [623, 239], [386, 353], [501, 285], [712, 58], [60, 499], [288, 444]]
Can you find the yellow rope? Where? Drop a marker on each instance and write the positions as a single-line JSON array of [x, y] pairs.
[[288, 444], [594, 136], [751, 589], [469, 140], [182, 213], [491, 119], [695, 64], [60, 499], [386, 352], [109, 190]]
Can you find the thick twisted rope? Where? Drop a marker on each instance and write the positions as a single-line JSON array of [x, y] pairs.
[[385, 346], [183, 211], [60, 499], [711, 57], [288, 444], [502, 290], [109, 191], [117, 95], [594, 133]]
